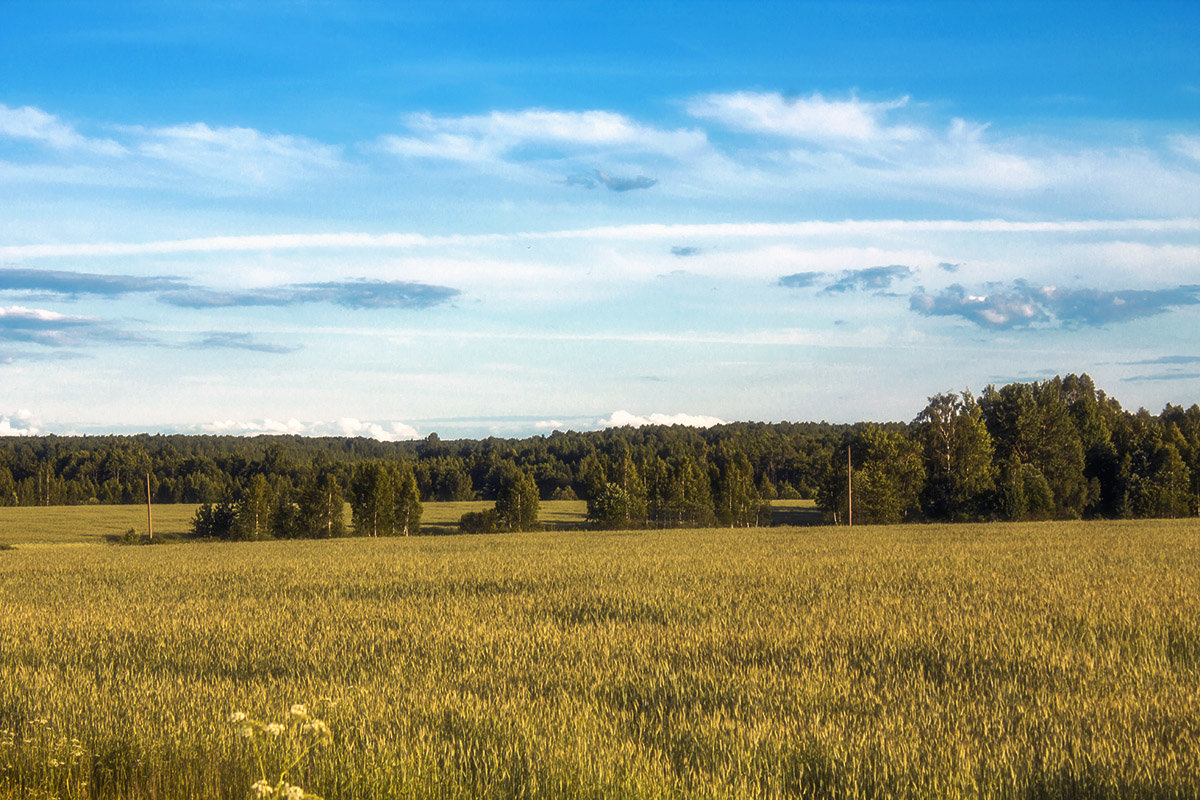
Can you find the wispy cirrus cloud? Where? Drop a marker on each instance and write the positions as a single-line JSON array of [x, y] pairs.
[[53, 329], [899, 149], [35, 125], [800, 280], [619, 184], [215, 158], [362, 294], [612, 182], [500, 134], [630, 233], [869, 278], [235, 156], [1188, 146], [74, 284], [878, 279], [813, 118], [229, 340], [1165, 360], [1164, 376], [1022, 305]]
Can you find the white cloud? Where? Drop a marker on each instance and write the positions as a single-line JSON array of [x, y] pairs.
[[548, 425], [1187, 146], [637, 232], [346, 426], [20, 423], [226, 158], [33, 124], [494, 136], [373, 430], [622, 419], [235, 155], [811, 118]]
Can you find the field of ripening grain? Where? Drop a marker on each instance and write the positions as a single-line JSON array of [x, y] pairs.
[[1048, 660]]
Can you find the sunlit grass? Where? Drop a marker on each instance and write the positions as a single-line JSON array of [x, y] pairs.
[[75, 524], [1030, 660], [81, 524]]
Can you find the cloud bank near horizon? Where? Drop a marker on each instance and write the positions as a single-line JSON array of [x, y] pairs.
[[623, 419]]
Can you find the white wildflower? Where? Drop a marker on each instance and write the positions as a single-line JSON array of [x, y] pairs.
[[246, 732], [298, 710], [261, 788], [273, 729], [293, 792], [237, 717], [315, 727]]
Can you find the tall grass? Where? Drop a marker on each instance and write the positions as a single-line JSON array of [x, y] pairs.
[[89, 524], [1033, 661]]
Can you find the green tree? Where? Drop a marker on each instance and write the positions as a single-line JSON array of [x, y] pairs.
[[609, 508], [1010, 493], [8, 488], [405, 501], [736, 498], [888, 474], [1157, 479], [1033, 421], [321, 508], [517, 502], [254, 510], [958, 454], [371, 499], [215, 521], [678, 493]]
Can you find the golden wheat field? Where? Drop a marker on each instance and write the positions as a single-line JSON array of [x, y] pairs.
[[1051, 660]]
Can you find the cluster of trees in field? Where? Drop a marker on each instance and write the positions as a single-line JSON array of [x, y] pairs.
[[1059, 448], [383, 500], [1055, 449]]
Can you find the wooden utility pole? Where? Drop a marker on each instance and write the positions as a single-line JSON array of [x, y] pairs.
[[849, 490], [149, 518]]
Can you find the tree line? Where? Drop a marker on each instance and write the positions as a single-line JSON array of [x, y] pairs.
[[1052, 449]]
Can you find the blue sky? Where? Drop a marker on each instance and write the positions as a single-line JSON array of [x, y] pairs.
[[504, 218]]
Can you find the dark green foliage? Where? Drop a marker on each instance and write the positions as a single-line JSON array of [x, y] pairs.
[[253, 520], [958, 452], [215, 521], [517, 502], [320, 510], [610, 508], [678, 494], [564, 493], [478, 521], [1095, 460], [888, 476], [737, 501], [1034, 422], [1010, 503]]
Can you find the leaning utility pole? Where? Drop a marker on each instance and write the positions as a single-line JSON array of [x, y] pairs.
[[849, 490], [149, 518]]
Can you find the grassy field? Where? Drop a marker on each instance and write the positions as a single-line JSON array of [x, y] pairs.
[[84, 524], [79, 524], [1024, 661]]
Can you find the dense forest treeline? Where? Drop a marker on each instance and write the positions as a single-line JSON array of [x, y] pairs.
[[1059, 448]]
